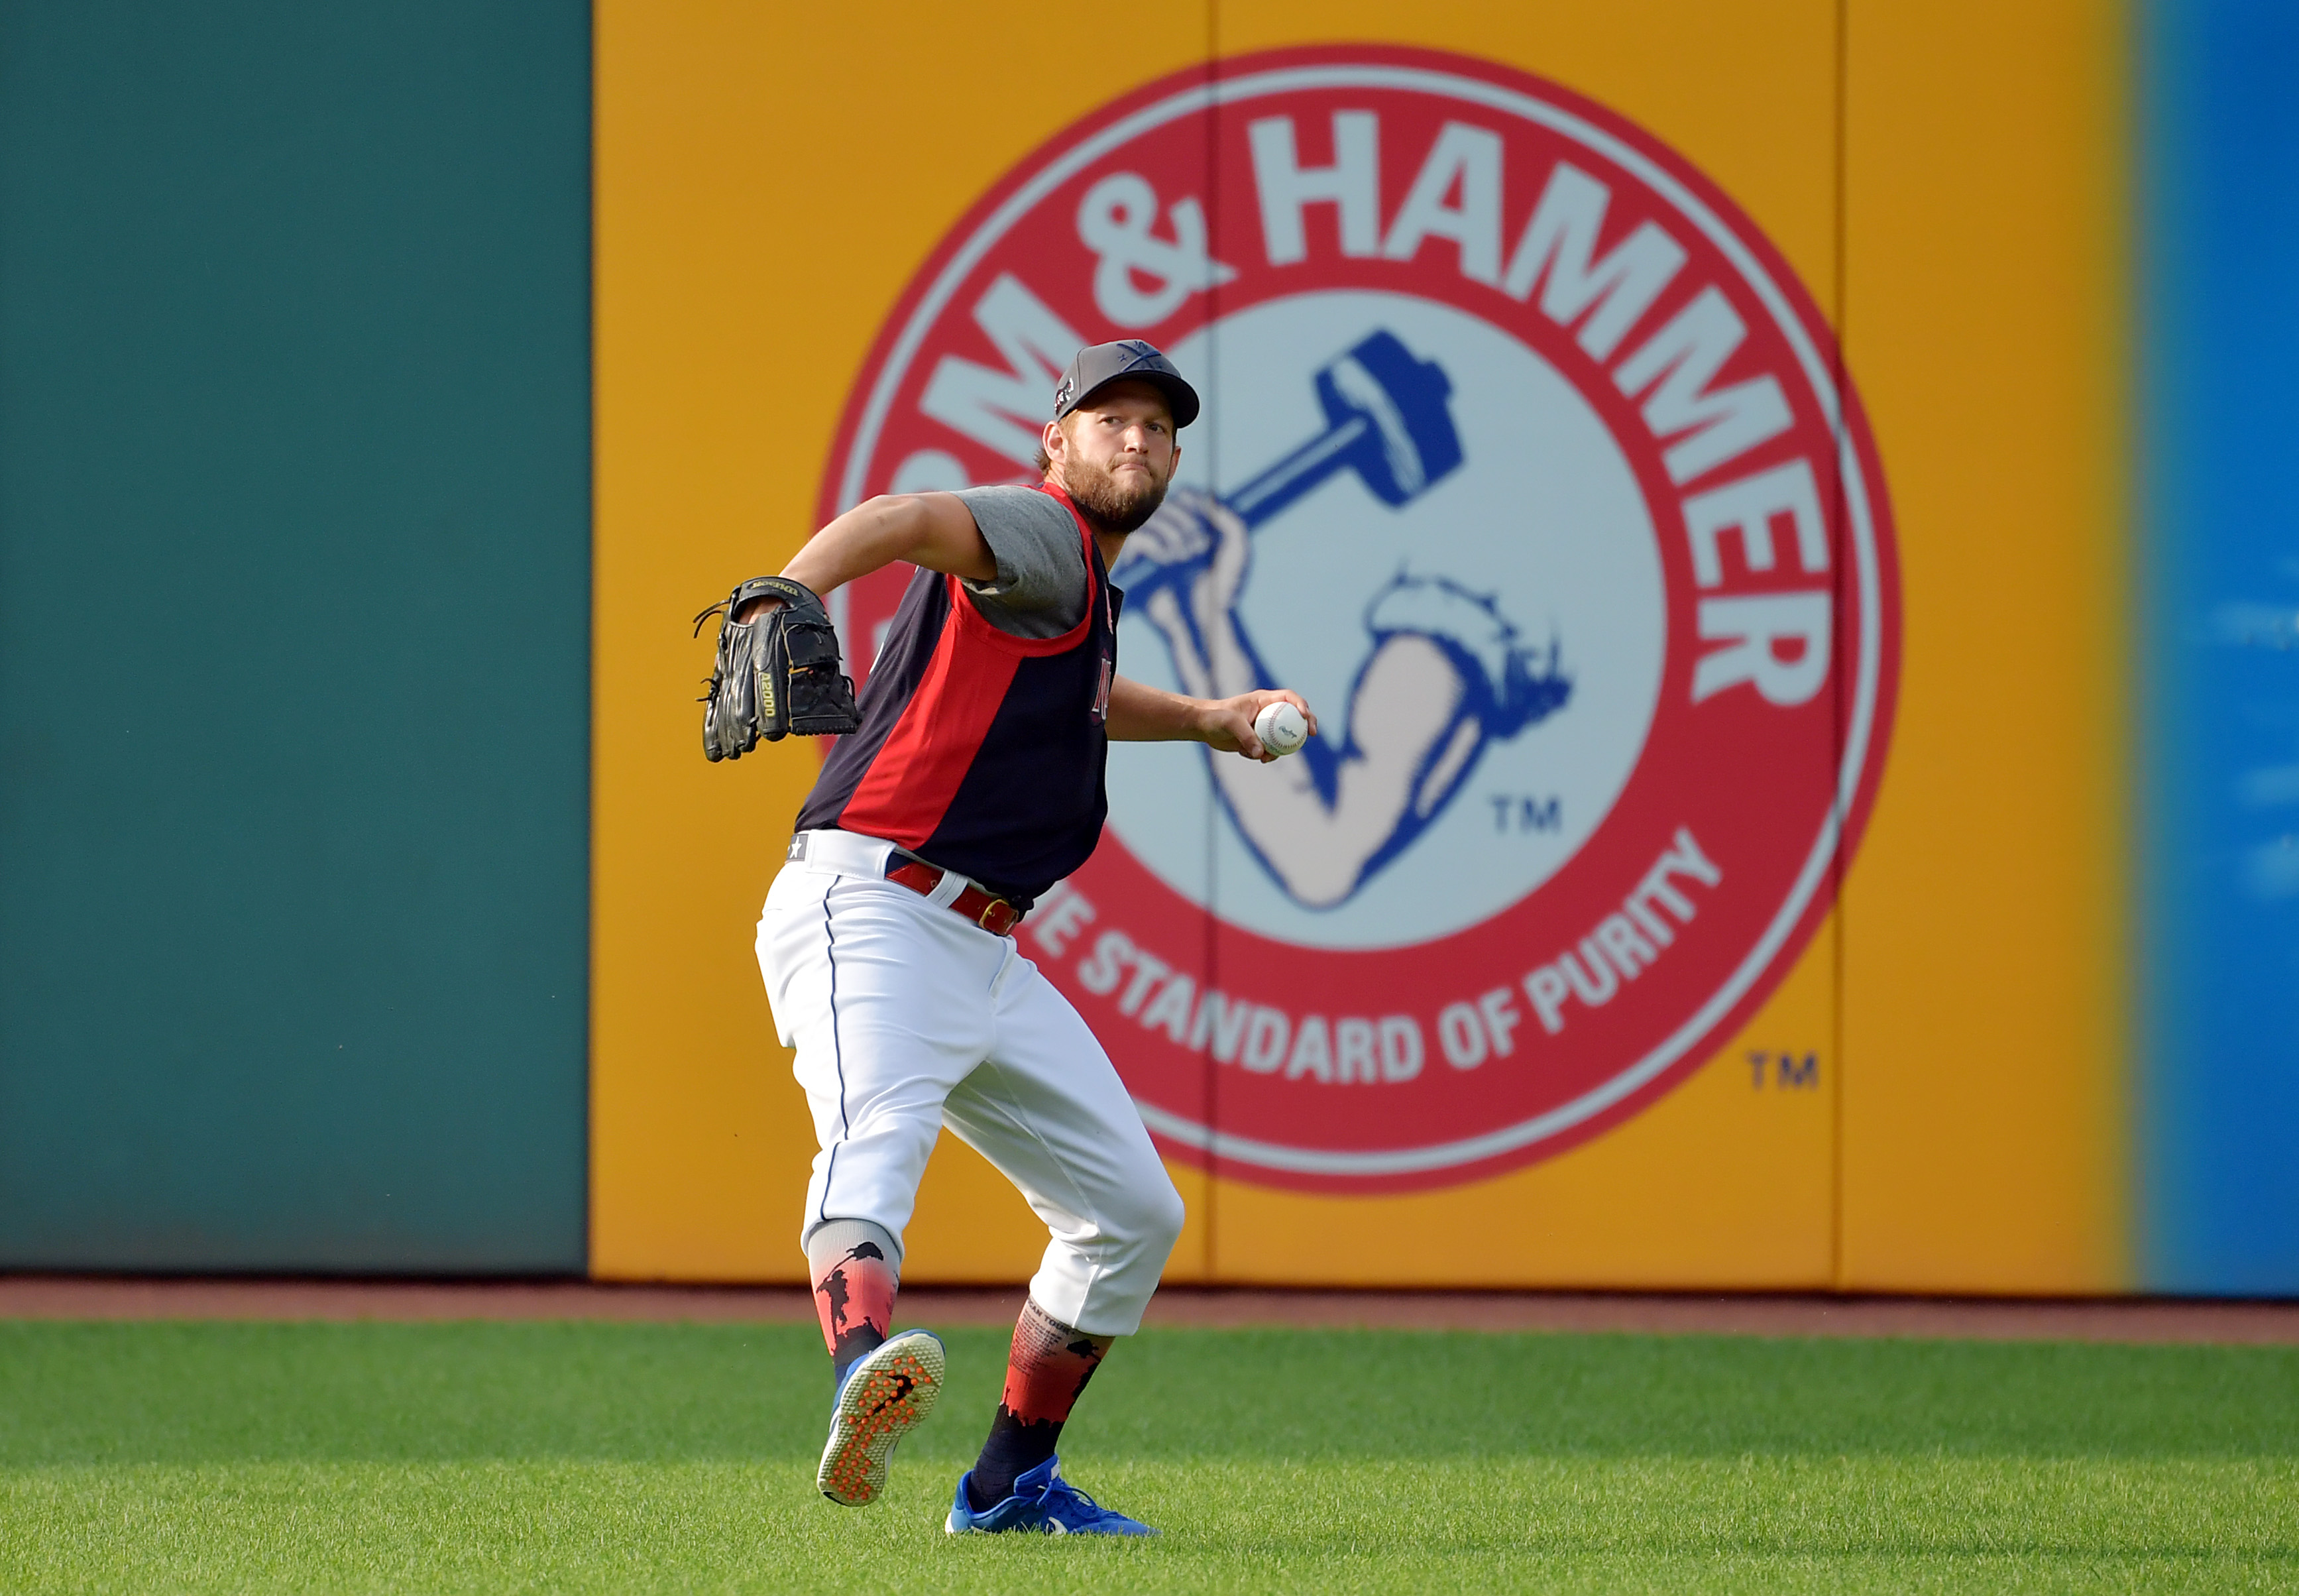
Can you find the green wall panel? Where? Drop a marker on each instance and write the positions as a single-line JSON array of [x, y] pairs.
[[294, 565]]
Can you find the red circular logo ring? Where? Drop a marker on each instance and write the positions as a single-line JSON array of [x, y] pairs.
[[1527, 459]]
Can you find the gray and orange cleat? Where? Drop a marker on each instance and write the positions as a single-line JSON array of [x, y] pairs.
[[884, 1396]]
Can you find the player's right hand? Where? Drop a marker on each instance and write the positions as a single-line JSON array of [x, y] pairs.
[[1226, 724]]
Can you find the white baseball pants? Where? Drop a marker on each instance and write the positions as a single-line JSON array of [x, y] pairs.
[[907, 1018]]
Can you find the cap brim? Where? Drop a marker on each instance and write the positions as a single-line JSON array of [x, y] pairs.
[[1179, 394]]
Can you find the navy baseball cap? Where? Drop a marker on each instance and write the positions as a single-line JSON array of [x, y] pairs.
[[1098, 365]]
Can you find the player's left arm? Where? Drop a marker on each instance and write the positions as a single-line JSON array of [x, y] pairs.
[[936, 530], [1140, 713]]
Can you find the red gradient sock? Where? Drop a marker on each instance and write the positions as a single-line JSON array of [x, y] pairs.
[[854, 1296], [1045, 1373]]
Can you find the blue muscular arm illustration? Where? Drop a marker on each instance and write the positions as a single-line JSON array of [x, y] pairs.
[[1446, 675]]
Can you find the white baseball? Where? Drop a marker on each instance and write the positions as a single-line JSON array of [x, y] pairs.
[[1280, 728]]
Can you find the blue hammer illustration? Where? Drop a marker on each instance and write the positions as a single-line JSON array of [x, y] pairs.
[[1387, 419]]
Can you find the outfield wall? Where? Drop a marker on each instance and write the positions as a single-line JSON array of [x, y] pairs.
[[1825, 831]]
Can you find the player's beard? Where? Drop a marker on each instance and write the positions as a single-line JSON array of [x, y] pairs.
[[1111, 507]]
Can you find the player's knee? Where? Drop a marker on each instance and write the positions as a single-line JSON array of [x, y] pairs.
[[1162, 1216]]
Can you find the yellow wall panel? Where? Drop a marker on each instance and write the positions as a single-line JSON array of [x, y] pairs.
[[768, 178], [1719, 1184], [1984, 1014]]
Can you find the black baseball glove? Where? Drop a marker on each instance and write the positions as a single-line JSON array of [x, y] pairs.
[[775, 675]]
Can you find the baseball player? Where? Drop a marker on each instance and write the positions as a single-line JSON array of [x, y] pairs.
[[972, 781]]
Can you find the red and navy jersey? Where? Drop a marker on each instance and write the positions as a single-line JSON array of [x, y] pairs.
[[981, 751]]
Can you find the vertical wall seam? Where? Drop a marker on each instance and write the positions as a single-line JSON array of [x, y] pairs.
[[590, 1107], [1212, 1097], [1838, 910]]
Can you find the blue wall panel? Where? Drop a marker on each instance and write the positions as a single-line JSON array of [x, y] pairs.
[[2219, 1099]]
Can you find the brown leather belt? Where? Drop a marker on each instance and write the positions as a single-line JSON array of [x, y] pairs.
[[994, 914]]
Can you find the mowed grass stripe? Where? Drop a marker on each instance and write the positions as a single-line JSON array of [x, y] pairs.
[[619, 1457]]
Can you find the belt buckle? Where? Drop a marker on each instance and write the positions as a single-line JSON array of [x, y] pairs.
[[982, 920]]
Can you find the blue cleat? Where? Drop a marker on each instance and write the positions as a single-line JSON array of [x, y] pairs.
[[883, 1397], [1043, 1503]]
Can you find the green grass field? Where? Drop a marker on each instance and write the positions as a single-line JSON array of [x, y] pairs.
[[513, 1457]]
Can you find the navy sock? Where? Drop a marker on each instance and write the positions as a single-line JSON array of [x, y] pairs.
[[1015, 1446]]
